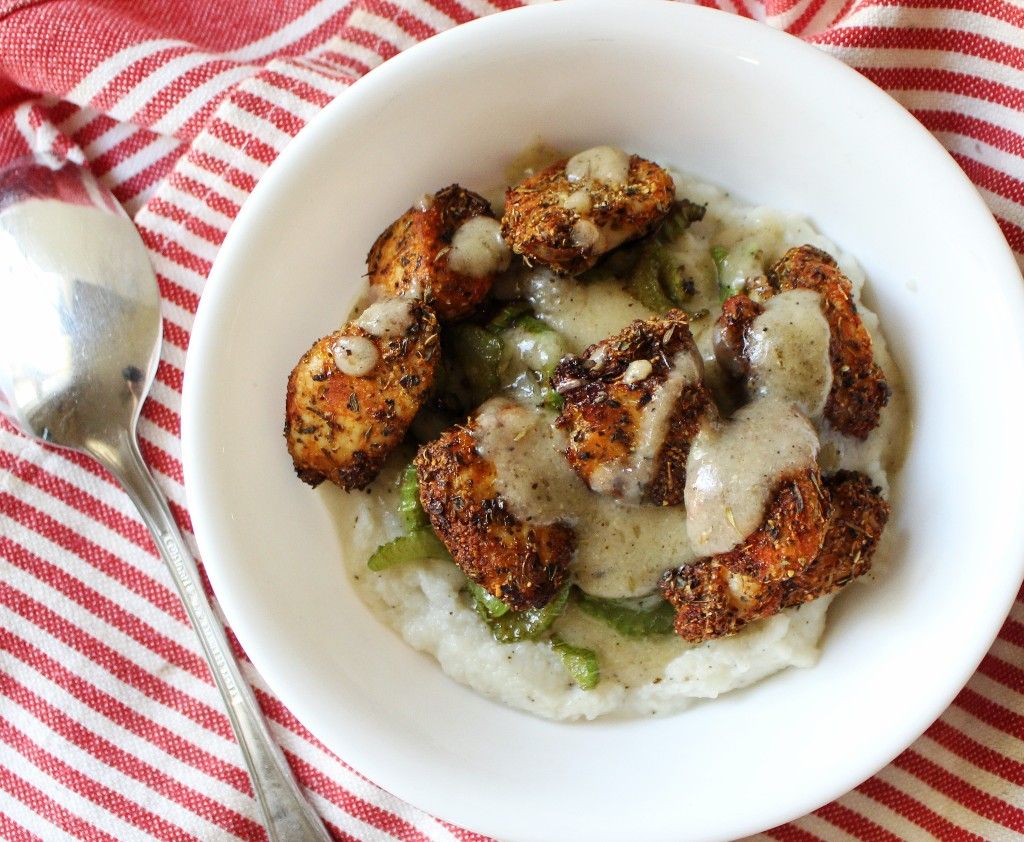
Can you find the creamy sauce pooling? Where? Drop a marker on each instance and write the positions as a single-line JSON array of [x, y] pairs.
[[628, 477], [478, 249], [733, 468], [621, 550], [787, 347]]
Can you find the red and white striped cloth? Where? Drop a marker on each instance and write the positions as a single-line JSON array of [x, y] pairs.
[[110, 727]]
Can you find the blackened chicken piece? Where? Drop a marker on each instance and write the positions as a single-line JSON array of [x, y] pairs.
[[859, 389], [446, 250], [569, 214], [353, 394], [521, 563], [816, 537], [633, 403]]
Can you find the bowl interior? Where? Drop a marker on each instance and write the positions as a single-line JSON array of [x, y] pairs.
[[733, 103]]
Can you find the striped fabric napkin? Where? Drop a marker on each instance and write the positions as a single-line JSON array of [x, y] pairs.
[[110, 727]]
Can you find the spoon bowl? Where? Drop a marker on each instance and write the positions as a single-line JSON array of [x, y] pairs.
[[80, 334]]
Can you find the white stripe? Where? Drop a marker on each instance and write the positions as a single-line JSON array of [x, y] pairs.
[[189, 105], [67, 798], [983, 153], [259, 128], [99, 77], [995, 692], [935, 801], [881, 815], [17, 812], [97, 675], [109, 139], [988, 736], [430, 15], [181, 199], [350, 49], [143, 750], [383, 28], [901, 17], [280, 39], [823, 829], [284, 99]]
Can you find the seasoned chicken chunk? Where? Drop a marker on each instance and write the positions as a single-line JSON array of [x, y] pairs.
[[633, 404], [816, 537], [568, 215], [446, 250], [522, 563], [353, 394], [859, 389]]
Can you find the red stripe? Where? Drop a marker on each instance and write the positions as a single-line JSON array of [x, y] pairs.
[[184, 219], [1006, 674], [792, 833], [991, 713], [999, 182], [160, 101], [13, 832], [456, 11], [332, 60], [107, 658], [168, 374], [279, 117], [52, 811], [954, 41], [298, 87], [160, 460], [103, 608], [117, 758], [108, 563], [948, 81], [777, 8], [175, 252], [163, 417], [240, 139], [854, 823], [222, 169], [391, 823], [125, 81], [914, 811], [101, 795], [843, 12], [177, 336], [126, 716], [122, 150], [94, 129], [128, 189], [412, 25], [1014, 234], [742, 10], [801, 23], [964, 124], [958, 790], [77, 498], [209, 197], [976, 754], [990, 8], [1013, 632], [376, 44]]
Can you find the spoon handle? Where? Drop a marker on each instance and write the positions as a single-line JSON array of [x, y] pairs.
[[286, 813]]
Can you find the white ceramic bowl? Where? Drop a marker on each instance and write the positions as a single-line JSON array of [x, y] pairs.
[[734, 103]]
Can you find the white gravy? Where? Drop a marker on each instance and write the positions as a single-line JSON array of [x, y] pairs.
[[387, 318], [607, 164], [355, 355], [628, 477], [734, 466], [788, 350], [622, 550], [478, 249]]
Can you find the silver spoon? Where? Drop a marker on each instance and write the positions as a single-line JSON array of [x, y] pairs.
[[80, 333]]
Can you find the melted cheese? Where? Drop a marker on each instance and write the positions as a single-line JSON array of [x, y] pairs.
[[607, 164], [478, 249], [387, 318]]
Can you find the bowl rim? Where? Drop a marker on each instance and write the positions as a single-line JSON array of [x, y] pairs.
[[217, 293]]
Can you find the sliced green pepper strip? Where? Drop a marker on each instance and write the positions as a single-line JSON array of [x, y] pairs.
[[508, 316], [669, 275], [487, 604], [410, 510], [641, 617], [417, 545], [580, 663], [644, 282], [682, 217], [479, 353], [718, 254], [531, 623]]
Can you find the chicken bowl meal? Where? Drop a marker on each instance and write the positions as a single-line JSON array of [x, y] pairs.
[[648, 467], [622, 437]]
